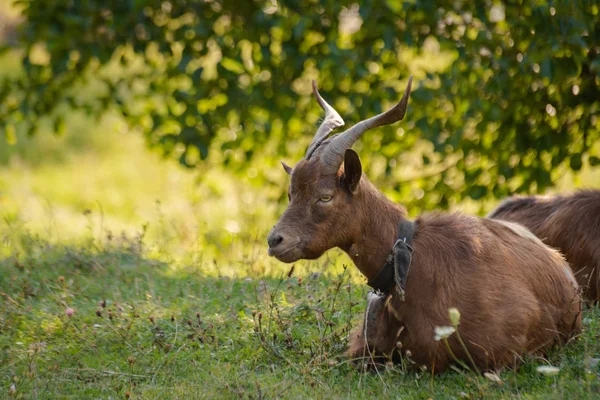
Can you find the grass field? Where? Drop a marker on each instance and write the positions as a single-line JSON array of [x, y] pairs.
[[104, 321], [124, 276]]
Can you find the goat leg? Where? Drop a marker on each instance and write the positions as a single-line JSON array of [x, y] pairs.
[[365, 342]]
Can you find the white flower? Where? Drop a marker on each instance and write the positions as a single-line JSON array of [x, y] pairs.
[[443, 332], [548, 370]]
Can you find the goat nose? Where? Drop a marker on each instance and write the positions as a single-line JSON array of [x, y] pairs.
[[274, 239]]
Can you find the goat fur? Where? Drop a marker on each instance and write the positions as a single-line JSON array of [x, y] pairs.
[[570, 223]]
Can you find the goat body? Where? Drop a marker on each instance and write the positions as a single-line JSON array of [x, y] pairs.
[[514, 294], [570, 223]]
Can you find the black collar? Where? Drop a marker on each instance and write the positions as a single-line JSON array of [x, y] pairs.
[[395, 269]]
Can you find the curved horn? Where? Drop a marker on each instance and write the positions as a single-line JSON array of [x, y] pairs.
[[332, 120], [334, 154]]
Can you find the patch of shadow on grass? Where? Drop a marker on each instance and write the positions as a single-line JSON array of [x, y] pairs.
[[106, 319]]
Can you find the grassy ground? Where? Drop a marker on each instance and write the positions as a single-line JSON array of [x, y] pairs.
[[102, 320], [124, 276]]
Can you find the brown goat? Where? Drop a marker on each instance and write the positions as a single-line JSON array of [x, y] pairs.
[[570, 223], [515, 294]]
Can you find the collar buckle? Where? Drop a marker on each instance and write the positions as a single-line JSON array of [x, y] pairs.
[[397, 263]]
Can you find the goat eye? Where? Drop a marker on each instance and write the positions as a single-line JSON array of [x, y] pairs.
[[326, 198]]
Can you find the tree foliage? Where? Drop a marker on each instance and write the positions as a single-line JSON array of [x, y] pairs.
[[507, 93]]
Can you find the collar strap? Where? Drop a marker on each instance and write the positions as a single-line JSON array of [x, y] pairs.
[[395, 269]]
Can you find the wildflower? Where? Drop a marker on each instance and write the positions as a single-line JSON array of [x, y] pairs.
[[548, 370], [443, 332], [70, 312], [454, 316]]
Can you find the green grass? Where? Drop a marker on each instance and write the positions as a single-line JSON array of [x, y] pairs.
[[147, 329], [174, 296]]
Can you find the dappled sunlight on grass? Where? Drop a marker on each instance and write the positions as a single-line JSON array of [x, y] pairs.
[[129, 319], [108, 320], [120, 187], [207, 223]]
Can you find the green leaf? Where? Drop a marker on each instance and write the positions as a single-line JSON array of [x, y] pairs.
[[422, 95], [546, 68], [232, 65], [575, 162], [476, 192]]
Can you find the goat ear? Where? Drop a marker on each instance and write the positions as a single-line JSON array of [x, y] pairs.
[[352, 170], [287, 168]]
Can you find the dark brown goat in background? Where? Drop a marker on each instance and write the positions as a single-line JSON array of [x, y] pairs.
[[570, 223], [515, 294]]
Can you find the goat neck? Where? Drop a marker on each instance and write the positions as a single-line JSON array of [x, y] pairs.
[[379, 220]]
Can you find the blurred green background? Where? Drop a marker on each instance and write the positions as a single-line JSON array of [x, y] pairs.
[[179, 111]]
